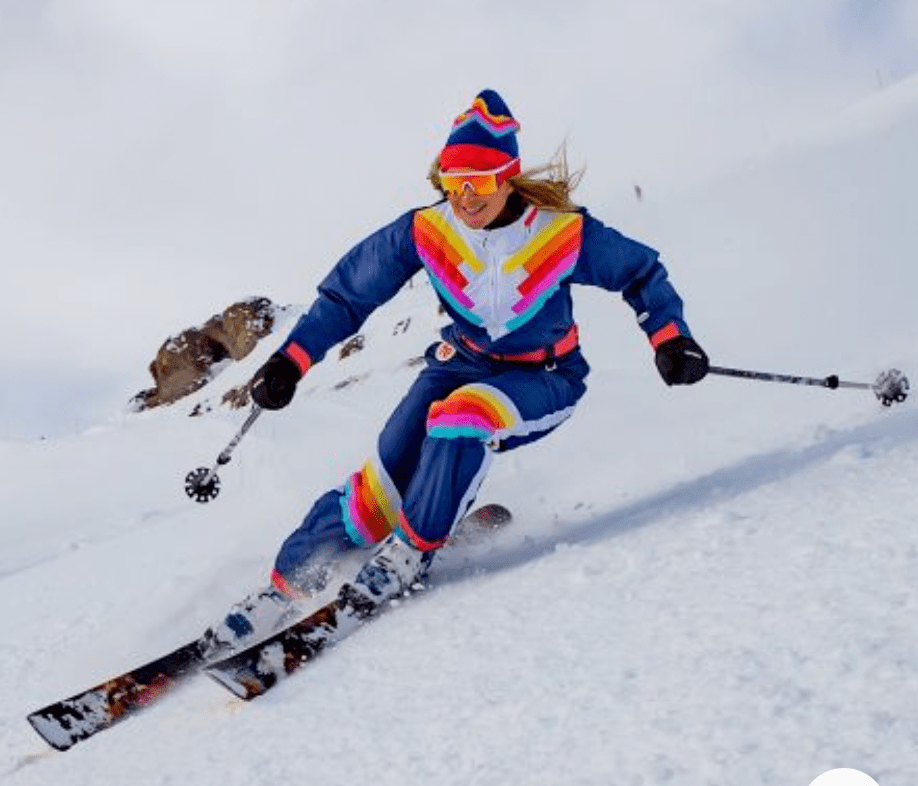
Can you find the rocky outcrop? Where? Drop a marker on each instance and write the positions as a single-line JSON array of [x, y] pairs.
[[188, 361]]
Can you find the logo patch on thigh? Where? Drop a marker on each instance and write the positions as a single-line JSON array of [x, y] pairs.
[[445, 352]]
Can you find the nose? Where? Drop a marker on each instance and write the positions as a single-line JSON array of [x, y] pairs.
[[467, 194]]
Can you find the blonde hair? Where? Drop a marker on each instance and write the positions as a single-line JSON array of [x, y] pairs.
[[548, 186]]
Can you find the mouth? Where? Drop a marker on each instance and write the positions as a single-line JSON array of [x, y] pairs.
[[473, 210]]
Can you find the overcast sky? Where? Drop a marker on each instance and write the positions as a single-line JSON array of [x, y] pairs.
[[160, 160]]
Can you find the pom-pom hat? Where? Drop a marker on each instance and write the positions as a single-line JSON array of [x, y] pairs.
[[483, 137]]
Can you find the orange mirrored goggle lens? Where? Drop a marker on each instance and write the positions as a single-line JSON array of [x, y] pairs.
[[482, 183], [455, 183]]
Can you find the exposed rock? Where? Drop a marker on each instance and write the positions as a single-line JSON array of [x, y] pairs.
[[239, 328], [352, 345], [348, 381], [188, 361], [239, 396]]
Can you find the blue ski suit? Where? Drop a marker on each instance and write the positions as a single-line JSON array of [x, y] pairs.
[[507, 371]]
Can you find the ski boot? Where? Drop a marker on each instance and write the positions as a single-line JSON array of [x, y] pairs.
[[394, 568], [255, 617]]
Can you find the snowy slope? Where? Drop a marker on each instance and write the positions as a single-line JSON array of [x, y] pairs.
[[715, 585]]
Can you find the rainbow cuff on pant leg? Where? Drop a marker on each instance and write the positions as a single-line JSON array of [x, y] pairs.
[[405, 531], [285, 587], [370, 504], [478, 411]]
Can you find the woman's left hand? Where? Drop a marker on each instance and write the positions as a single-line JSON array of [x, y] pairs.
[[681, 361]]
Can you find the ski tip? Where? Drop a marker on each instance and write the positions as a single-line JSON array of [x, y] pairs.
[[51, 731], [478, 524], [492, 515]]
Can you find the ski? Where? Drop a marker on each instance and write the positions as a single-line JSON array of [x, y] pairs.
[[255, 670], [479, 524], [65, 723]]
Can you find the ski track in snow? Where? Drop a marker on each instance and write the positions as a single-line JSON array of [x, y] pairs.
[[728, 483]]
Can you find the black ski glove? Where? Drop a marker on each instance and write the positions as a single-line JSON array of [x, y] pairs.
[[681, 361], [274, 383]]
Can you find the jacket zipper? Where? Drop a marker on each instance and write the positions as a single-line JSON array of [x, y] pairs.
[[493, 289]]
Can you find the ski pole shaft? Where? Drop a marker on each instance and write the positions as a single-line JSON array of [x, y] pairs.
[[202, 484], [224, 457], [831, 381], [890, 388]]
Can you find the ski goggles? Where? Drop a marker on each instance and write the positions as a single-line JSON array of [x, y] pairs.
[[483, 183]]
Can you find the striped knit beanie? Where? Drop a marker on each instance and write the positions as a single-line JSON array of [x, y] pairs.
[[483, 137]]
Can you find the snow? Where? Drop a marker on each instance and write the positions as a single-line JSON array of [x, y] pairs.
[[707, 586]]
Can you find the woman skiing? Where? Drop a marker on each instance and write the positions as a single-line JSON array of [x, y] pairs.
[[502, 250]]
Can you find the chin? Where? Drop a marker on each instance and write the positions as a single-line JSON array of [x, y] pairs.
[[475, 220]]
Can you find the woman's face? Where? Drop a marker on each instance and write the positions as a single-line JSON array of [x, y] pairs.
[[477, 211]]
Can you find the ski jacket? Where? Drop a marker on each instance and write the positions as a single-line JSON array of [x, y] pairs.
[[507, 290]]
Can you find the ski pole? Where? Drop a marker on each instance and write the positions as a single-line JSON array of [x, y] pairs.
[[202, 484], [891, 386]]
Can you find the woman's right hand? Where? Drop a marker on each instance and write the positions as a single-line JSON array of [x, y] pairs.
[[275, 382]]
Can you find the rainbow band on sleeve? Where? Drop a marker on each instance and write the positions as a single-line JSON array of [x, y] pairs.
[[478, 411], [497, 125], [370, 504]]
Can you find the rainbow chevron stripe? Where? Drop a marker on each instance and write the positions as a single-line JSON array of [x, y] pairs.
[[370, 504], [524, 281], [444, 252], [497, 125], [478, 411], [548, 259]]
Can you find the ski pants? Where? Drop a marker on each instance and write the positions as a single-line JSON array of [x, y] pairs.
[[434, 452]]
